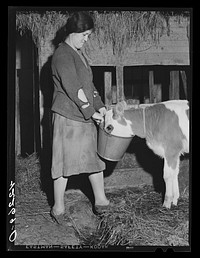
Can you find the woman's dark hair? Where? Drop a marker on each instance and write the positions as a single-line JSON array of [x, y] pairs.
[[79, 22]]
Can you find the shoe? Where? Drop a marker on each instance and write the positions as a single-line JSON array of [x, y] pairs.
[[59, 219], [101, 209]]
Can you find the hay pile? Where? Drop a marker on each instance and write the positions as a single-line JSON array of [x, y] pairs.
[[27, 174], [120, 29], [140, 220], [116, 34], [42, 26], [126, 28]]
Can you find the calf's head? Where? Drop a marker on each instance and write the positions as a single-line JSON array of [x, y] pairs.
[[116, 123]]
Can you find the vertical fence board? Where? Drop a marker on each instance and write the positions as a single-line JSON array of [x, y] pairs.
[[114, 94], [107, 88], [151, 85], [120, 83], [184, 79], [17, 116], [36, 113], [157, 93], [174, 85], [155, 90]]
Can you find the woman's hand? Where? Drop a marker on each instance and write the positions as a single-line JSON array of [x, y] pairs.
[[98, 117]]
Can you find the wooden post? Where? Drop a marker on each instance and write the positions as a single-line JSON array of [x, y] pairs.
[[107, 88], [17, 116], [120, 83], [36, 112], [184, 79], [157, 93], [45, 50], [174, 85], [34, 99], [17, 113], [41, 99], [151, 83], [114, 94], [155, 90]]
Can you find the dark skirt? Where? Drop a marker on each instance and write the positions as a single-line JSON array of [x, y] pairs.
[[74, 148]]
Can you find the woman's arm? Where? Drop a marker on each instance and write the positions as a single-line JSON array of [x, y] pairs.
[[67, 72]]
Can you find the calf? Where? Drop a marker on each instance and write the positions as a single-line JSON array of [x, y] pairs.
[[165, 126]]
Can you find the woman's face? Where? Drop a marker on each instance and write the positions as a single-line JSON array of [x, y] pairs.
[[78, 39]]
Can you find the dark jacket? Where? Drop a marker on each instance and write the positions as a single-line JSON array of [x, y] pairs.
[[69, 75]]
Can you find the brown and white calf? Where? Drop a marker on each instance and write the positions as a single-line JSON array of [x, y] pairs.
[[165, 126]]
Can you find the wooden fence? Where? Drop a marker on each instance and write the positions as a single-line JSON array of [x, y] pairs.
[[115, 93]]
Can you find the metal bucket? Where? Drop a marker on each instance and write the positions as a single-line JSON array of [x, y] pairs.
[[111, 147]]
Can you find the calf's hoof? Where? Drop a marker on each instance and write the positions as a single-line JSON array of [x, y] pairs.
[[167, 202]]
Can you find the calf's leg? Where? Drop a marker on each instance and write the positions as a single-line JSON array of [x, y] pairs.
[[168, 178], [171, 170], [175, 183]]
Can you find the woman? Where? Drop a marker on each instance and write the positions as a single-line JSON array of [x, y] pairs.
[[76, 106]]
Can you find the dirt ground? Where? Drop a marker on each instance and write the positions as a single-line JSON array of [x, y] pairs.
[[35, 228]]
